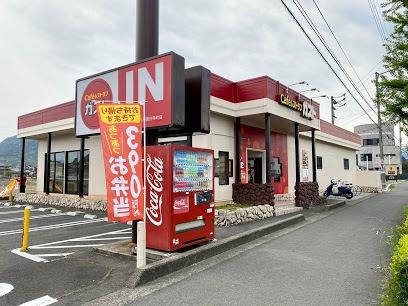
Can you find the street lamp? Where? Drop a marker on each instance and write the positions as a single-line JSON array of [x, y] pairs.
[[342, 95], [312, 89], [322, 96], [297, 83]]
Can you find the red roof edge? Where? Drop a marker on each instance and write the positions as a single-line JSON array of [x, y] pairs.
[[337, 131], [54, 113]]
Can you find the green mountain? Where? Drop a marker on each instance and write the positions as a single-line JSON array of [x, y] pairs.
[[10, 152]]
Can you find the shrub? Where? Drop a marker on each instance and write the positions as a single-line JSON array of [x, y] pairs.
[[396, 290], [399, 231], [396, 287]]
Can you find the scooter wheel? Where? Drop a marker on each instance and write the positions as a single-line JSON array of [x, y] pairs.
[[348, 195], [326, 194]]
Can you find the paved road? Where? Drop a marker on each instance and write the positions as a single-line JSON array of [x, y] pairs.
[[336, 260], [53, 236]]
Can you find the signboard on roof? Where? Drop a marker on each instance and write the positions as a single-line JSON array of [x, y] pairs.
[[305, 108], [159, 81]]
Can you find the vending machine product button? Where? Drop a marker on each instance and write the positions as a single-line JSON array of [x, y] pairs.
[[209, 210], [199, 217]]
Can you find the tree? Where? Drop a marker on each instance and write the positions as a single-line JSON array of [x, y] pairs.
[[394, 87]]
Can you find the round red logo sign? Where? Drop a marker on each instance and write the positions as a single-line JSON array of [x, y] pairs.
[[97, 90]]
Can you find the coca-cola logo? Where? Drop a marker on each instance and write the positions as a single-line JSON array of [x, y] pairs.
[[154, 171], [180, 205]]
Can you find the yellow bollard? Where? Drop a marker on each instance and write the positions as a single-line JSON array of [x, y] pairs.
[[26, 227], [11, 196]]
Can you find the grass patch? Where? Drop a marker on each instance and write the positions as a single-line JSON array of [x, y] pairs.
[[233, 206]]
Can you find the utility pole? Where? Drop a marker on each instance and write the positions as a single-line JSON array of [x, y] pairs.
[[147, 45], [400, 145], [380, 136], [332, 101]]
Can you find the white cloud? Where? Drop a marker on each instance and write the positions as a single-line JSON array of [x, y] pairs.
[[47, 45]]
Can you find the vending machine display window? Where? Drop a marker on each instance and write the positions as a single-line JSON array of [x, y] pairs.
[[193, 171]]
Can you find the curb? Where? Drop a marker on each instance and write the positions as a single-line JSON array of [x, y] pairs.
[[335, 205], [180, 261]]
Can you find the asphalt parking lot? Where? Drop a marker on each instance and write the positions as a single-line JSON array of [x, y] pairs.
[[47, 272]]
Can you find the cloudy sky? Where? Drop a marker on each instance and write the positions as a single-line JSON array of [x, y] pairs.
[[47, 45]]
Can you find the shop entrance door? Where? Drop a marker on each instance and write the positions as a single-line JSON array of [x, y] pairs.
[[255, 166]]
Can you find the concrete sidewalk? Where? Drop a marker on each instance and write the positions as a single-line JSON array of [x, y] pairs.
[[227, 238], [335, 258]]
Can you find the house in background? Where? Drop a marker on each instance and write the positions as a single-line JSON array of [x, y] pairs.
[[368, 158]]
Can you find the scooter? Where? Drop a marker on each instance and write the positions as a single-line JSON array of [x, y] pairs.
[[342, 191]]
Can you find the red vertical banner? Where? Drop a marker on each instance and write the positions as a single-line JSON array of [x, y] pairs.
[[122, 139]]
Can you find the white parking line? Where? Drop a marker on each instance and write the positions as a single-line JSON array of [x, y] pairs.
[[28, 256], [64, 246], [72, 245], [42, 301], [31, 217], [5, 288], [14, 211], [14, 206], [87, 216], [45, 208], [74, 213], [47, 227]]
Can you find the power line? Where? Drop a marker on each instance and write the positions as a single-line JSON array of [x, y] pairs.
[[379, 14], [327, 47], [341, 48], [326, 61], [353, 118], [377, 22], [321, 54]]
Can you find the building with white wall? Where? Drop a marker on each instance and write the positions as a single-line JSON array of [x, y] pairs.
[[240, 114], [368, 157]]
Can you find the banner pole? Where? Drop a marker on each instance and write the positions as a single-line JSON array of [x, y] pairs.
[[141, 225]]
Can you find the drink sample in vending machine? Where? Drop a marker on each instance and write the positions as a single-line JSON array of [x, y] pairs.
[[192, 171]]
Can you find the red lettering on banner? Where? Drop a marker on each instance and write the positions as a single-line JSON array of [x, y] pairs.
[[123, 167]]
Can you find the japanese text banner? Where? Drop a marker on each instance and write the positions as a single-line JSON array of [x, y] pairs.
[[121, 136]]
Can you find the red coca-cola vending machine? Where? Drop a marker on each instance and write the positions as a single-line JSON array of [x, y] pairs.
[[179, 196]]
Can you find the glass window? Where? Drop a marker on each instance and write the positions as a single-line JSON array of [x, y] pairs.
[[216, 167], [64, 172], [231, 168], [222, 168], [276, 168], [56, 181], [371, 142], [86, 171], [366, 157], [346, 164], [319, 162], [72, 185]]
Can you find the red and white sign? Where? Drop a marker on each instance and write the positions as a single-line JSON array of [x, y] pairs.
[[158, 81], [154, 180], [181, 205], [121, 138]]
